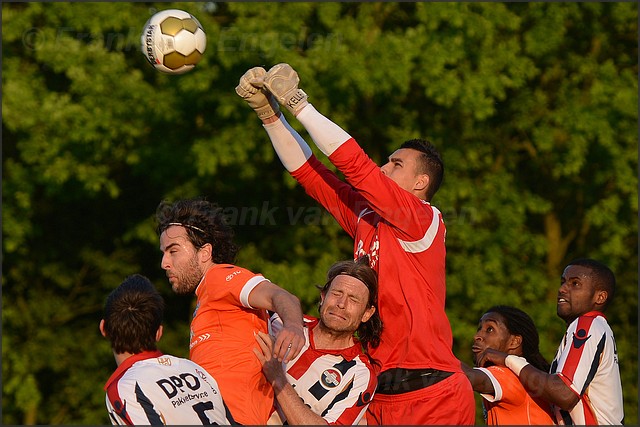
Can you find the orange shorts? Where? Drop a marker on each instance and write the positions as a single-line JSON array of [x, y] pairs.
[[448, 402]]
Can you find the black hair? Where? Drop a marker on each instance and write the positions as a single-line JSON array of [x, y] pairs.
[[601, 275], [431, 162], [133, 313], [520, 323], [204, 223]]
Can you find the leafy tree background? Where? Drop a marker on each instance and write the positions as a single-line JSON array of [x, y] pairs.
[[534, 107]]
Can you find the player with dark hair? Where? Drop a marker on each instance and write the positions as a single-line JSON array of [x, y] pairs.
[[331, 381], [231, 308], [388, 212], [583, 384], [505, 401], [150, 387]]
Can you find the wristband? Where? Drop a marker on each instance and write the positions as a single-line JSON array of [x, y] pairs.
[[515, 363]]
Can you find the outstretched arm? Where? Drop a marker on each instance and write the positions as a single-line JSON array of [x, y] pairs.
[[292, 406], [282, 81], [292, 150], [290, 147], [290, 340], [549, 387]]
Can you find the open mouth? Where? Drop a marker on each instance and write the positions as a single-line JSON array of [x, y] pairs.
[[476, 349]]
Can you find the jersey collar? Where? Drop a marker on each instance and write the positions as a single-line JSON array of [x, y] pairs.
[[129, 362]]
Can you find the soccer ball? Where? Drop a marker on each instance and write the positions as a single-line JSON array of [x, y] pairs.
[[173, 41]]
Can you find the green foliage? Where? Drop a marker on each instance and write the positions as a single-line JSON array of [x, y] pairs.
[[533, 106]]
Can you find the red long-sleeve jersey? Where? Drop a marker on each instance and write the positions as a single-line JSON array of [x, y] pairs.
[[404, 238]]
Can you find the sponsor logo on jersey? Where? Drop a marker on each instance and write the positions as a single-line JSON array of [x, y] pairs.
[[120, 408], [331, 378], [579, 338], [231, 276], [198, 340], [179, 384], [164, 361]]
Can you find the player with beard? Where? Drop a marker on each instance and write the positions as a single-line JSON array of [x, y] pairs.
[[332, 380], [231, 307]]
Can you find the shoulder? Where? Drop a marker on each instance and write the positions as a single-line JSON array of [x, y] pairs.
[[500, 373], [228, 272], [589, 323]]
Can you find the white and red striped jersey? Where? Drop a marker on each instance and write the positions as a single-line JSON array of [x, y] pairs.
[[404, 238], [155, 388], [335, 384], [587, 361]]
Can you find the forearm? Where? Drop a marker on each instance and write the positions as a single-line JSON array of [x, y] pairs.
[[291, 148], [288, 308], [294, 409], [327, 135], [548, 387], [538, 383], [479, 380]]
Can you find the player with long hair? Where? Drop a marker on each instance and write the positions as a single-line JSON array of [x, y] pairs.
[[504, 399], [332, 380]]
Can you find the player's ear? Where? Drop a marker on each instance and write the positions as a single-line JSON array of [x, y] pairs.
[[601, 296], [367, 314], [159, 333], [102, 331], [515, 342], [205, 253], [422, 182]]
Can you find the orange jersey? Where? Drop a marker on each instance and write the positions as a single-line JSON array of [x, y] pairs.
[[511, 404], [223, 337]]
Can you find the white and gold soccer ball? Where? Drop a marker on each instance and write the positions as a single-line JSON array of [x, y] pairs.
[[173, 41]]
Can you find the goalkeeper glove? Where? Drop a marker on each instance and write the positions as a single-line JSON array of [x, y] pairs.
[[282, 82], [250, 89]]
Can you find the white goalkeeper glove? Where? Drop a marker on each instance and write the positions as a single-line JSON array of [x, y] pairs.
[[282, 81], [250, 88]]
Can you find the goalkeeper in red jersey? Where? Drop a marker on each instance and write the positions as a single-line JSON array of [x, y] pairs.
[[387, 211]]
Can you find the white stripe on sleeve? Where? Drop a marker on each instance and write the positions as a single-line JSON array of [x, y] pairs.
[[248, 287]]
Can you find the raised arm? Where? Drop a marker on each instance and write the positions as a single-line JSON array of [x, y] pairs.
[[395, 204], [291, 148], [290, 340], [282, 81]]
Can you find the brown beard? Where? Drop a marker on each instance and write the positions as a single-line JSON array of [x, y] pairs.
[[188, 281]]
